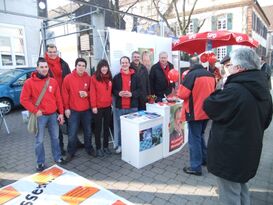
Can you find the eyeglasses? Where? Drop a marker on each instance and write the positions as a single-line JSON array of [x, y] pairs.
[[228, 65]]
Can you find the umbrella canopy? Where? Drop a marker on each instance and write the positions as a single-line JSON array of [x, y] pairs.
[[201, 42]]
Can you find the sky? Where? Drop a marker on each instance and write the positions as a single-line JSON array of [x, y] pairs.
[[54, 4], [265, 2]]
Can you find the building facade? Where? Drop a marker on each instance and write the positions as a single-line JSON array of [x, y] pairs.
[[19, 33], [245, 16]]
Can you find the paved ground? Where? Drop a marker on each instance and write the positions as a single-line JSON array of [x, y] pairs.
[[162, 182]]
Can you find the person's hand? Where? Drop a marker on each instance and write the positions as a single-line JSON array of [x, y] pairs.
[[60, 119], [95, 110], [121, 93], [39, 113], [127, 94], [67, 113]]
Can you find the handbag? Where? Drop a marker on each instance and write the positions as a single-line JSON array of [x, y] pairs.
[[32, 125]]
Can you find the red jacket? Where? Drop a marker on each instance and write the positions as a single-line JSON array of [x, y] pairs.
[[72, 84], [100, 93], [197, 85], [52, 100]]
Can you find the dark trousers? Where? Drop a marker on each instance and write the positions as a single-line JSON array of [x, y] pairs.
[[103, 117], [197, 146], [63, 130], [76, 118]]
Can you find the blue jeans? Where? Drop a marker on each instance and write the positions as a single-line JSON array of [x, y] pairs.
[[197, 146], [53, 129], [118, 113], [232, 192], [76, 118]]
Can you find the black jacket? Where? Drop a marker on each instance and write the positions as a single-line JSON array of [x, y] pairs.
[[240, 113], [143, 77], [159, 82], [135, 89]]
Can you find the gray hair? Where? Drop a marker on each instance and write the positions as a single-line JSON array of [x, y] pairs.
[[163, 53], [194, 60], [246, 58]]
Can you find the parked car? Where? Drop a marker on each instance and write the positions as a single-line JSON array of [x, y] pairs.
[[11, 83]]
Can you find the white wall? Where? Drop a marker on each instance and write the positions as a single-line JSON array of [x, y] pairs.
[[31, 25]]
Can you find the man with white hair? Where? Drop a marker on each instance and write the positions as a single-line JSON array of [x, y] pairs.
[[240, 112], [160, 84]]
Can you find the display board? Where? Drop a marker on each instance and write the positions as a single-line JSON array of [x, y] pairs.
[[175, 132], [56, 185], [141, 138], [123, 43]]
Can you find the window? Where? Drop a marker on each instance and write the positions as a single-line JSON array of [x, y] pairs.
[[12, 46], [190, 28], [222, 22], [20, 81], [221, 52]]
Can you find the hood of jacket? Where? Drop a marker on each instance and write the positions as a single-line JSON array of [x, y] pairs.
[[253, 80]]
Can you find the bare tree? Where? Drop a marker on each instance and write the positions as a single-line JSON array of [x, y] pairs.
[[117, 8], [183, 18]]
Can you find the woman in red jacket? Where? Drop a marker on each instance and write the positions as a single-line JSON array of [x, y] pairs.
[[101, 100]]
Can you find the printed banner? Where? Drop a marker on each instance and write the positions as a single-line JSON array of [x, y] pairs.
[[56, 185]]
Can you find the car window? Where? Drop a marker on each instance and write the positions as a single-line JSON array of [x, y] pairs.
[[8, 76]]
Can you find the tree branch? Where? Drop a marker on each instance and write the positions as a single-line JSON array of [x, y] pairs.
[[177, 15], [189, 17], [163, 17], [130, 7], [200, 25]]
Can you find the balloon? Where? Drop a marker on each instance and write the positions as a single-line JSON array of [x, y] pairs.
[[212, 58], [204, 57], [173, 75]]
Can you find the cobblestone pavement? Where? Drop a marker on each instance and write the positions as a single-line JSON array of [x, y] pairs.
[[162, 182]]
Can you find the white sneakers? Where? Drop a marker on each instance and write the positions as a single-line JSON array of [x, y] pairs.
[[118, 150]]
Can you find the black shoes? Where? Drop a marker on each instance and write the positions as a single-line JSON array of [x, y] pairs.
[[80, 145], [61, 161], [40, 167], [100, 153], [68, 158], [107, 151], [92, 152], [188, 170]]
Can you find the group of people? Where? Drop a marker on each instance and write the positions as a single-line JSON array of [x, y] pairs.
[[240, 110], [77, 99]]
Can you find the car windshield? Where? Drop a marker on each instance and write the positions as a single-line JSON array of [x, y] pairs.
[[9, 75]]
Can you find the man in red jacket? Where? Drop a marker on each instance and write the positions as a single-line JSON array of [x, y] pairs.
[[46, 111], [58, 69], [197, 85], [75, 91]]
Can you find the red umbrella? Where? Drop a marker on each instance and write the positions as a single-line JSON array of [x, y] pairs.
[[200, 42]]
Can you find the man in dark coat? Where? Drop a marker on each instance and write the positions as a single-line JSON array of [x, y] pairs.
[[160, 84], [240, 112], [142, 74]]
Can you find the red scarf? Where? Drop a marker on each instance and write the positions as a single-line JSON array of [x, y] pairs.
[[126, 86], [55, 68], [166, 71]]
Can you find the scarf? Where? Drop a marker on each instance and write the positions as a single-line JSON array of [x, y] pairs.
[[55, 68], [166, 71]]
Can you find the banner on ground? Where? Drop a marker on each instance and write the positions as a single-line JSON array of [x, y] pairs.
[[57, 186]]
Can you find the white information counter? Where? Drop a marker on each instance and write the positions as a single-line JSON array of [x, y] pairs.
[[175, 133], [141, 138]]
